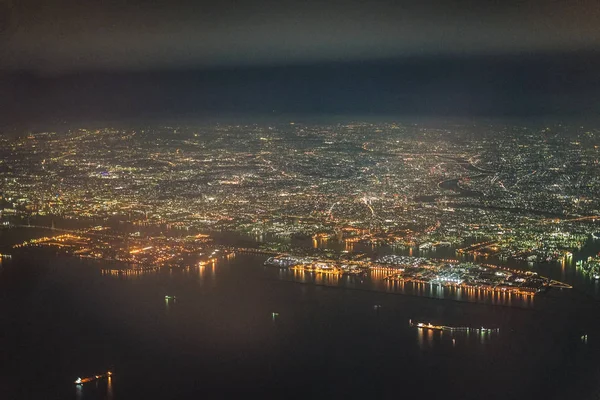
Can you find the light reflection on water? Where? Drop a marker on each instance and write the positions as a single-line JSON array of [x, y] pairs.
[[429, 335], [429, 339], [374, 281], [109, 389], [201, 270], [78, 392], [420, 337]]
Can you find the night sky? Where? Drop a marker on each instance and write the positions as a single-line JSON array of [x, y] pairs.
[[67, 59]]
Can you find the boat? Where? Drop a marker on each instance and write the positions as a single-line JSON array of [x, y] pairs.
[[422, 325], [170, 297], [81, 381]]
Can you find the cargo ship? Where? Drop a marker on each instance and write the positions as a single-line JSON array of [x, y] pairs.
[[422, 325], [81, 381]]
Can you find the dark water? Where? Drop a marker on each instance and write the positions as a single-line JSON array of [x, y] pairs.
[[61, 318]]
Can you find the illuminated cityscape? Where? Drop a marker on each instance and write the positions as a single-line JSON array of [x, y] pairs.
[[284, 199], [488, 190], [315, 198]]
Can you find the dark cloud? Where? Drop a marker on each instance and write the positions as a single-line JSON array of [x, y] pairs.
[[473, 86], [70, 35], [84, 60]]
